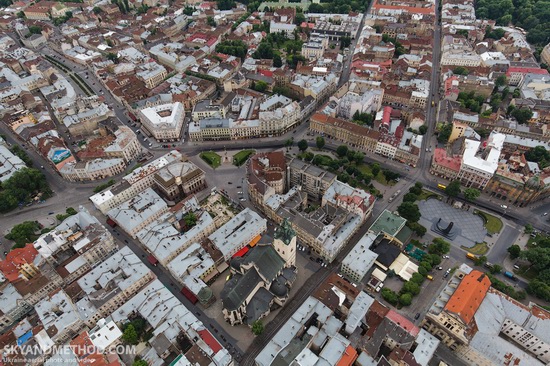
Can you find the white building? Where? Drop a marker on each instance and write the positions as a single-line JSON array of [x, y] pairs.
[[287, 29], [138, 212], [164, 121], [111, 284], [9, 163], [133, 183], [478, 167], [360, 259], [238, 232]]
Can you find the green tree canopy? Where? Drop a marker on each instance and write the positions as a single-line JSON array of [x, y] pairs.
[[471, 194], [320, 142], [514, 251], [439, 247], [453, 189], [302, 145], [130, 335], [257, 327], [23, 233], [405, 299], [235, 48], [539, 155], [342, 150], [409, 211]]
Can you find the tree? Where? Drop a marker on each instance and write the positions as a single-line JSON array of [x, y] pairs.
[[112, 57], [471, 194], [299, 18], [528, 229], [225, 4], [302, 145], [481, 260], [501, 81], [389, 295], [190, 220], [22, 187], [423, 271], [257, 327], [23, 233], [460, 71], [417, 278], [130, 335], [260, 86], [539, 155], [409, 211], [211, 22], [522, 115], [453, 189], [439, 247], [434, 259], [345, 42], [21, 15], [423, 129], [497, 268], [445, 132], [410, 287], [405, 299], [140, 362], [277, 61], [34, 29], [235, 48], [320, 142], [316, 8], [539, 257], [97, 10], [514, 251], [539, 289], [342, 151], [418, 229], [410, 197], [375, 169]]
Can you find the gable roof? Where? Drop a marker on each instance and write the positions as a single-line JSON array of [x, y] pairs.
[[267, 260], [468, 296]]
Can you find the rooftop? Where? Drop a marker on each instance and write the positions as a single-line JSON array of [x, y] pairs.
[[388, 223], [360, 259], [468, 296]]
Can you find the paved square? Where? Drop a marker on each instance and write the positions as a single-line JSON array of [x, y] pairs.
[[471, 227]]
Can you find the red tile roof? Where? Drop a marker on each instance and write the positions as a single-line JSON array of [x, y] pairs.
[[210, 340], [403, 322], [15, 259], [526, 70], [468, 296]]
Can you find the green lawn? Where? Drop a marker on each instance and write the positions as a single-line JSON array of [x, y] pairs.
[[211, 158], [241, 157], [380, 178], [427, 194], [535, 239], [492, 223], [478, 249]]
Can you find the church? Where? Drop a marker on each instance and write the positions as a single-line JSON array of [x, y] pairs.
[[261, 280]]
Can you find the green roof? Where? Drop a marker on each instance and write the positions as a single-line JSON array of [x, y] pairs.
[[388, 223]]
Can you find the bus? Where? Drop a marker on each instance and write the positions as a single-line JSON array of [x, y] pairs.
[[441, 186]]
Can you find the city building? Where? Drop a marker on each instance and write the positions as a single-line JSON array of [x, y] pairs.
[[267, 175], [205, 109], [360, 259], [9, 163], [238, 232], [313, 180], [133, 183], [179, 180], [451, 317], [478, 168], [138, 212], [110, 284], [92, 169], [261, 279], [60, 319], [164, 122]]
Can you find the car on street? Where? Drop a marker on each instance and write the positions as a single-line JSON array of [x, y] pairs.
[[503, 206], [545, 214], [417, 316]]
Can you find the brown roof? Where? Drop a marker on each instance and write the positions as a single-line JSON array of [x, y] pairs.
[[350, 126]]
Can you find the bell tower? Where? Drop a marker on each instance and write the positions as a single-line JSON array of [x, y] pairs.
[[285, 242]]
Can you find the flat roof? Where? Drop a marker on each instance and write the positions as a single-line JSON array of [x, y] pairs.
[[242, 228], [388, 223], [489, 164], [360, 259]]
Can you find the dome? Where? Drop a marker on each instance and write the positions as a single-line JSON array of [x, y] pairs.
[[278, 288]]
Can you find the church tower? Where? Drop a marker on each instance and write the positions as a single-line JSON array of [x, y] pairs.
[[285, 243]]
